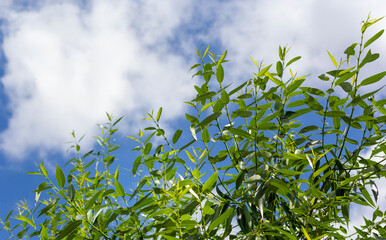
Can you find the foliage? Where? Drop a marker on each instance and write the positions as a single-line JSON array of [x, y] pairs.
[[255, 166]]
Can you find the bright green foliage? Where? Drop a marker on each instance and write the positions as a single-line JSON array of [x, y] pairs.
[[253, 167]]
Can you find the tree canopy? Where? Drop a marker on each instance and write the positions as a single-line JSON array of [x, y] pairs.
[[251, 166]]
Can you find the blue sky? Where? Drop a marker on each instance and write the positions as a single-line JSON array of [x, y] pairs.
[[64, 64]]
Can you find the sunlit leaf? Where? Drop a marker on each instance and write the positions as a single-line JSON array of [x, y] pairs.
[[221, 219], [68, 229], [60, 178], [220, 73], [332, 59], [159, 114], [176, 136], [373, 79], [293, 60], [210, 182]]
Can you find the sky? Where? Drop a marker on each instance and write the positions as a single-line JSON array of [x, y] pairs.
[[64, 64]]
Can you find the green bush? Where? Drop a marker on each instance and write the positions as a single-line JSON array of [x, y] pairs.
[[253, 166]]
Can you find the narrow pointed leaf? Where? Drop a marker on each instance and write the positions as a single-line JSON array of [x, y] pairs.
[[176, 136], [210, 182], [60, 178], [373, 79], [332, 59], [68, 229], [373, 38], [293, 60], [159, 114], [220, 73], [222, 218]]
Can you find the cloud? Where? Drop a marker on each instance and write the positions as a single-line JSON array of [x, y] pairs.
[[69, 62], [69, 65], [257, 28]]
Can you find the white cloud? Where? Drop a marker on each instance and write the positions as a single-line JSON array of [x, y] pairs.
[[70, 62], [257, 28], [67, 66]]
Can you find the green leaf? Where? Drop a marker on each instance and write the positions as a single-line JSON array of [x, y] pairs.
[[241, 113], [373, 79], [159, 114], [145, 201], [347, 87], [368, 23], [25, 219], [245, 96], [293, 60], [92, 200], [262, 72], [380, 102], [368, 58], [209, 183], [220, 73], [205, 135], [176, 136], [136, 164], [190, 156], [240, 133], [373, 38], [279, 68], [350, 51], [241, 220], [253, 179], [222, 218], [210, 119], [119, 188], [224, 97], [205, 96], [207, 105], [335, 114], [313, 91], [323, 77], [366, 194], [278, 82], [60, 178], [147, 149], [68, 229], [44, 170], [332, 59], [48, 207], [194, 66], [294, 85], [222, 58], [169, 237], [44, 233], [320, 170], [309, 128], [192, 119], [193, 131], [282, 187], [305, 233], [350, 179], [346, 212], [345, 77], [237, 88], [207, 210], [171, 173], [71, 192], [281, 53]]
